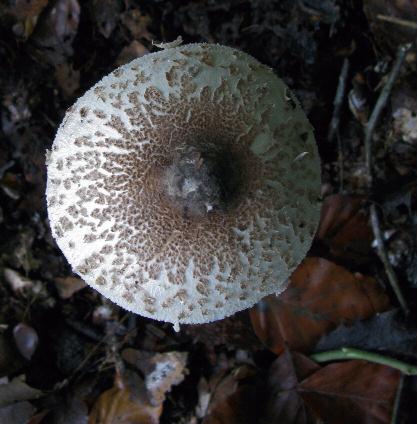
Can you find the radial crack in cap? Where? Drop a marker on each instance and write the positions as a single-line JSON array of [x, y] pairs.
[[184, 186]]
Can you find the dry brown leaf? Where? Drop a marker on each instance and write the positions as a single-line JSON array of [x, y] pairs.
[[235, 398], [55, 33], [344, 227], [137, 24], [105, 14], [123, 404], [67, 78], [161, 371], [321, 295], [134, 50], [301, 392], [67, 286]]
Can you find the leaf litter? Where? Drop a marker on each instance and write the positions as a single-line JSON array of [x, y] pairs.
[[88, 361]]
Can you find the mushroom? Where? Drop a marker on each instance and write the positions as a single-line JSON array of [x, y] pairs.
[[184, 186]]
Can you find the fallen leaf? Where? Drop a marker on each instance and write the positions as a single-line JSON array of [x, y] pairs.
[[26, 339], [125, 403], [137, 24], [284, 402], [345, 392], [66, 408], [235, 397], [320, 296], [16, 281], [105, 14], [388, 331], [27, 12], [16, 413], [67, 78], [161, 371], [67, 286], [26, 8], [344, 227], [51, 43], [17, 390], [353, 391], [134, 50], [10, 360]]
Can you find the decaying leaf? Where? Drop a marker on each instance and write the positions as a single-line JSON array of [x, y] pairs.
[[125, 403], [26, 339], [10, 360], [17, 390], [320, 296], [16, 413], [52, 41], [161, 371], [346, 392], [344, 227], [388, 331], [132, 51], [17, 281], [67, 286], [235, 398], [27, 13], [105, 13], [68, 79], [137, 23]]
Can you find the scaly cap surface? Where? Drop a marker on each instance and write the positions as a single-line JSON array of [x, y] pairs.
[[116, 203]]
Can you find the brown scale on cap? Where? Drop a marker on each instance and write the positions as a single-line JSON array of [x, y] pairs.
[[184, 185]]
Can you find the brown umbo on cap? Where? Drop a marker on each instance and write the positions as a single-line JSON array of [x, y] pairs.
[[184, 186]]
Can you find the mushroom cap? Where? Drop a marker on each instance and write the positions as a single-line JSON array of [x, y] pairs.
[[121, 187]]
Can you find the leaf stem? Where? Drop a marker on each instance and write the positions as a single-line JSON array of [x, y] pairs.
[[352, 353]]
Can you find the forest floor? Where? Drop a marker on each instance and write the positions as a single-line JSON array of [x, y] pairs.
[[339, 345]]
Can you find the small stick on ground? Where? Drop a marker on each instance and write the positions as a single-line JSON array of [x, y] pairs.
[[334, 123], [397, 402], [372, 123], [383, 256], [379, 106], [338, 101], [398, 21]]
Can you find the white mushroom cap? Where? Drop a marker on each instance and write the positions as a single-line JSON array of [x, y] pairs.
[[184, 186]]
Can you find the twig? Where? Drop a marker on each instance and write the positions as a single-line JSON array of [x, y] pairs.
[[88, 356], [369, 131], [338, 101], [383, 256], [397, 401], [352, 353], [379, 106], [398, 21], [334, 123]]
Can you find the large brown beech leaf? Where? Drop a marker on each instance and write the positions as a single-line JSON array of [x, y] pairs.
[[344, 227], [346, 392], [320, 296], [296, 390]]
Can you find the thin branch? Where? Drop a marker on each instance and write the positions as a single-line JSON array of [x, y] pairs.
[[379, 106], [334, 123], [397, 401], [383, 256], [398, 21], [369, 132], [338, 101], [351, 353]]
